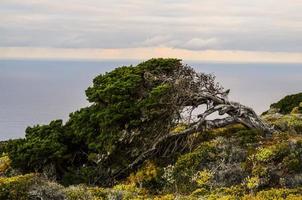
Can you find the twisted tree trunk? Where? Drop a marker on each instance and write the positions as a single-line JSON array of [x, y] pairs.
[[236, 113]]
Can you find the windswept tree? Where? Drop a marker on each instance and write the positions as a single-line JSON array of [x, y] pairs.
[[133, 115]]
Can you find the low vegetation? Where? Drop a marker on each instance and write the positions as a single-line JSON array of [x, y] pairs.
[[288, 103]]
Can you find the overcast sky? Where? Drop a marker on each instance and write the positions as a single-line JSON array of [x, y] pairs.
[[221, 30]]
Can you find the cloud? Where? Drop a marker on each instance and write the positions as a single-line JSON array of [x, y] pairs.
[[147, 53], [199, 43], [222, 25]]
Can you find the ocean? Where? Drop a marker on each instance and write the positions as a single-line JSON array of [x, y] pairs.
[[38, 91]]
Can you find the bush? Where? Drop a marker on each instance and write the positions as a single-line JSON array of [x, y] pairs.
[[127, 191], [189, 164], [290, 123], [247, 137], [271, 153], [227, 131], [297, 110], [46, 190], [276, 194], [293, 159], [287, 104], [264, 154], [78, 192], [17, 187], [145, 176], [228, 174], [225, 193], [202, 178], [5, 163], [165, 197], [252, 183], [196, 159]]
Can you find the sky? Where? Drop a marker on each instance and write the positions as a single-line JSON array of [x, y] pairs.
[[206, 30]]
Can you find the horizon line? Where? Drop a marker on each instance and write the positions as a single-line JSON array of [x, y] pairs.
[[145, 53], [143, 60]]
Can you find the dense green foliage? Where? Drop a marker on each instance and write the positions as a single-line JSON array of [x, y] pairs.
[[94, 143], [287, 103], [44, 145]]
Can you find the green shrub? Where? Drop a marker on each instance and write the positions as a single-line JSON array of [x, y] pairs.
[[46, 190], [271, 153], [297, 110], [78, 192], [247, 137], [287, 103], [203, 154], [165, 197], [148, 176], [16, 188], [293, 160], [226, 193], [276, 194], [290, 123], [189, 164], [202, 178], [98, 193], [5, 164], [227, 131], [252, 182]]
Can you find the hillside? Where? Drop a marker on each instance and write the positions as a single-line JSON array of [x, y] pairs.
[[286, 104], [132, 147]]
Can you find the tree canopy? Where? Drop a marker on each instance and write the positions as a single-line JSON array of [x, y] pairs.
[[137, 112]]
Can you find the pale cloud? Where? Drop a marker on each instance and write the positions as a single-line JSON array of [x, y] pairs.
[[193, 25], [199, 43], [148, 52]]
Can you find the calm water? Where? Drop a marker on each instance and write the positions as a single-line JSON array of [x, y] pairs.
[[37, 91]]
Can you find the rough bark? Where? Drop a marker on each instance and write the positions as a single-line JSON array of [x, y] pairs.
[[237, 113]]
